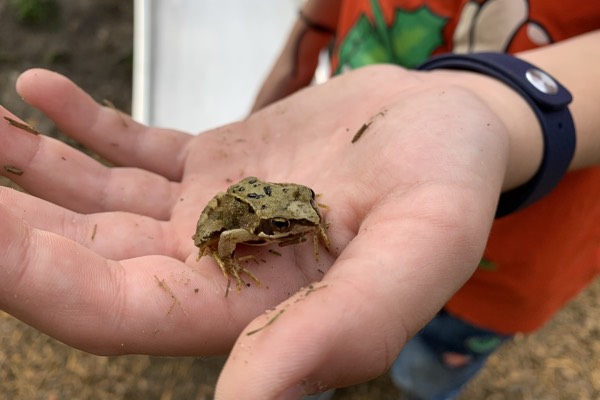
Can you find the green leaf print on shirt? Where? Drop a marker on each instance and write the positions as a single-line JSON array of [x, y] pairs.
[[409, 41]]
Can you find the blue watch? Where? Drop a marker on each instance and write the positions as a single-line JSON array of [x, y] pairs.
[[547, 98]]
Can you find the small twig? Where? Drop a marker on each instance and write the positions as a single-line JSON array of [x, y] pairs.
[[94, 232], [360, 131], [311, 289], [267, 324], [20, 125], [367, 124], [13, 170], [274, 252], [163, 285]]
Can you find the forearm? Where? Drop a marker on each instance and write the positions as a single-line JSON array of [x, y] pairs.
[[295, 66]]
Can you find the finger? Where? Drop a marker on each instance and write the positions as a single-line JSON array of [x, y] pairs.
[[106, 130], [50, 169], [151, 305], [104, 233]]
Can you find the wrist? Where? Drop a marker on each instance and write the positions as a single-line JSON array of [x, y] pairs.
[[574, 62], [523, 128]]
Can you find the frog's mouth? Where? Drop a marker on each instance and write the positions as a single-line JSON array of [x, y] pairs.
[[281, 240]]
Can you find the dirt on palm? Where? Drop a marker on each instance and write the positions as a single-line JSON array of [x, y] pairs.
[[91, 42]]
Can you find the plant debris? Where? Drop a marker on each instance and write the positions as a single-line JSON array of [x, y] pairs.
[[267, 324], [312, 288], [366, 125], [94, 231], [163, 285], [23, 126], [360, 131], [13, 170]]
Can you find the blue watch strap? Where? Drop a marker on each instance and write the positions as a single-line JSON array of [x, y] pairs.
[[547, 98]]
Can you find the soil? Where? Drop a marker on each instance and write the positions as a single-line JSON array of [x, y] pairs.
[[91, 42]]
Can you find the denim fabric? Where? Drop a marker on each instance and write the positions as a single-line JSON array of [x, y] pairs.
[[321, 396], [420, 370]]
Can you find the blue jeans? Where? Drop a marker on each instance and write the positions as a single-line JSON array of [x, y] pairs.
[[420, 369]]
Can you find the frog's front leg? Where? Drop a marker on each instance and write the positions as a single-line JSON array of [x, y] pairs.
[[226, 252], [321, 235]]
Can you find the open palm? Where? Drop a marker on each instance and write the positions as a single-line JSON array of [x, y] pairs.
[[102, 258]]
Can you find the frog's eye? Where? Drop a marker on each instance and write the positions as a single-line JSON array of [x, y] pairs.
[[280, 224]]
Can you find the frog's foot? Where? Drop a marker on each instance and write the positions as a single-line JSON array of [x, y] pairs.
[[235, 270], [320, 236], [232, 268]]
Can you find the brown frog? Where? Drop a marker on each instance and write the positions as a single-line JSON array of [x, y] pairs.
[[254, 212]]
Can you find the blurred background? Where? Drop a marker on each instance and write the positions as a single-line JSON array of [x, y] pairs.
[[196, 68], [198, 63]]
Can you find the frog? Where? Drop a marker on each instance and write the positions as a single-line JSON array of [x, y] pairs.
[[254, 212]]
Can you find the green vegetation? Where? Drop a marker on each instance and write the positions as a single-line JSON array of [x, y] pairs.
[[35, 12]]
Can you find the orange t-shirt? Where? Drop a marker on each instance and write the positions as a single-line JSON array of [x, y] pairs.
[[537, 258], [541, 258]]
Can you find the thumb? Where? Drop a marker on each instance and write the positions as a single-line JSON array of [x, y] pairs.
[[310, 343]]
